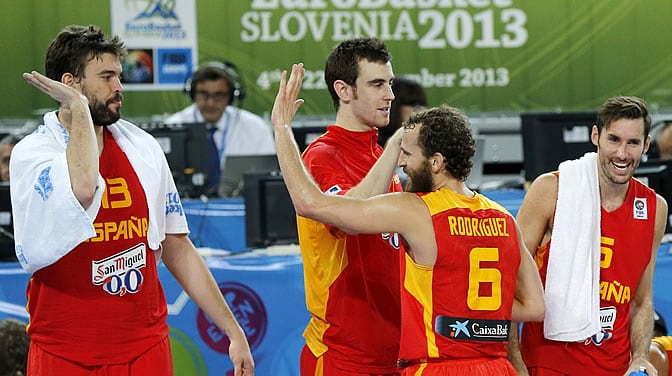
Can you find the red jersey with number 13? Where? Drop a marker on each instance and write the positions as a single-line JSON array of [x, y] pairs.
[[102, 303]]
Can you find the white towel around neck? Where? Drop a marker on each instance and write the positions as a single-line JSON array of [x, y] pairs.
[[573, 274], [62, 222]]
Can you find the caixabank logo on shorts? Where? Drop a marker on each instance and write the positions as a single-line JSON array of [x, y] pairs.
[[249, 310], [461, 328]]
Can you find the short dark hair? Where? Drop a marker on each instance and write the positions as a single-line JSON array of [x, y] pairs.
[[215, 71], [624, 107], [211, 73], [446, 130], [75, 46], [14, 344], [343, 61]]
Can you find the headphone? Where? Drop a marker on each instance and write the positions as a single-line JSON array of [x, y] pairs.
[[215, 71]]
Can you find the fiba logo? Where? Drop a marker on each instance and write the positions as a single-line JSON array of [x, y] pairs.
[[248, 309], [639, 208]]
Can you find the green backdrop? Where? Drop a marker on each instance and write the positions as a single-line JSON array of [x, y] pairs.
[[480, 55]]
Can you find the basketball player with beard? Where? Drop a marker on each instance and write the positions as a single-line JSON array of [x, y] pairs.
[[465, 273], [96, 209]]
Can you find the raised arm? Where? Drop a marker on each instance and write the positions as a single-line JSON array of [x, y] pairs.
[[403, 213], [377, 180], [307, 198], [82, 150]]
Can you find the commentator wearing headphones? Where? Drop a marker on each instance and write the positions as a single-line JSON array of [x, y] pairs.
[[215, 90]]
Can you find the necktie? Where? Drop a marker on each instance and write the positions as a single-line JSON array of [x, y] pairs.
[[214, 170]]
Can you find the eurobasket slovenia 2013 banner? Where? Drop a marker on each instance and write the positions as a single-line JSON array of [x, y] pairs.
[[480, 55]]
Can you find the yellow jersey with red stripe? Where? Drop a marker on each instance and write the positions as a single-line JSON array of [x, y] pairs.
[[460, 308], [351, 281]]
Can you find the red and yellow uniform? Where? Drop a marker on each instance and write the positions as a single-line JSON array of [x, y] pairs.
[[457, 314], [351, 282], [624, 257], [106, 287]]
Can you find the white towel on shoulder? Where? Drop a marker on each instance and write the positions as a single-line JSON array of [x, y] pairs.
[[51, 222], [573, 274]]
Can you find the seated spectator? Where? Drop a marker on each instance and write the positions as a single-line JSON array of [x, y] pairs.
[[216, 91], [409, 97], [14, 343]]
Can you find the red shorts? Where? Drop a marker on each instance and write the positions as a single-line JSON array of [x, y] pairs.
[[466, 367], [155, 361], [326, 366]]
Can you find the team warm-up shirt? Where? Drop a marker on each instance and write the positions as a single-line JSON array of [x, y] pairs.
[[626, 241], [102, 303], [461, 307], [351, 282]]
